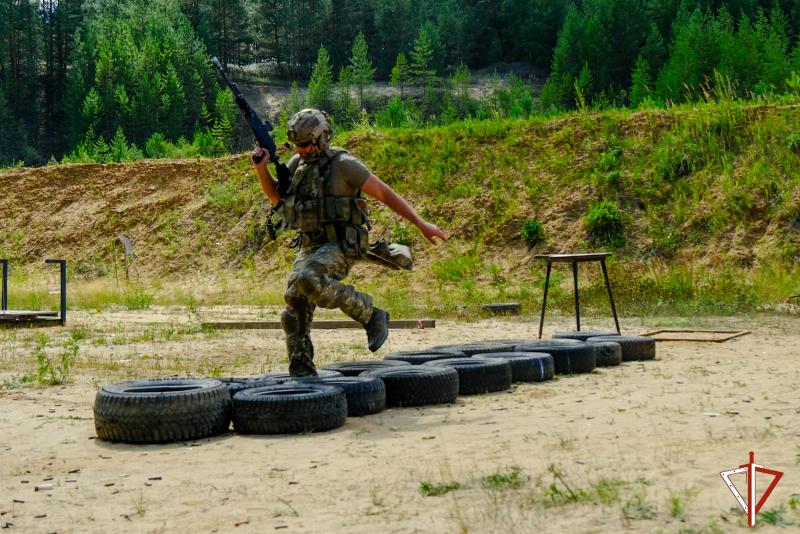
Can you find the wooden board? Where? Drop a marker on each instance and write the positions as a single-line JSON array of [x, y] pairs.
[[686, 334], [19, 316], [320, 325]]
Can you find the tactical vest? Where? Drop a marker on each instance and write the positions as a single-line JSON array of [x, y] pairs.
[[309, 208]]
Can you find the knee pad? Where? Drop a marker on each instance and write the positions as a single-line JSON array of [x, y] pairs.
[[309, 283], [289, 322]]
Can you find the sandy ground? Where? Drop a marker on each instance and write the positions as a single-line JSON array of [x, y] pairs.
[[635, 448]]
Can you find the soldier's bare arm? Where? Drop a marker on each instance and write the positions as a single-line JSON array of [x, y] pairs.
[[377, 189], [268, 183]]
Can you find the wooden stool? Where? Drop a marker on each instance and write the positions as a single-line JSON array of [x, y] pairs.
[[575, 259]]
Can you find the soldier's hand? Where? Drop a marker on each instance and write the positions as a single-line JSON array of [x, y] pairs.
[[431, 232], [260, 156]]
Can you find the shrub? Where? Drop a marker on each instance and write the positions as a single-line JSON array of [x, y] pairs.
[[794, 142], [402, 235], [532, 233], [604, 224], [156, 146]]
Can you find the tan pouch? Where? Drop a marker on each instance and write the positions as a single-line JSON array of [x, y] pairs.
[[390, 255]]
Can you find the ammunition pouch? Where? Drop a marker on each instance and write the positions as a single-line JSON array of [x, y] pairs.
[[309, 216], [390, 255], [354, 240]]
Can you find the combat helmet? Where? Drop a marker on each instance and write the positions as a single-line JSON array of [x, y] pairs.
[[310, 125]]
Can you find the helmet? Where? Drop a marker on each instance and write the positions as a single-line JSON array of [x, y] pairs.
[[310, 125]]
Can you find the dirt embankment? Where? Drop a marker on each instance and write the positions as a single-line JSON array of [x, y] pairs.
[[479, 185]]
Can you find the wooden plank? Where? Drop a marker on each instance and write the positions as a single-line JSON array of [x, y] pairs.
[[320, 325], [587, 256], [30, 322], [732, 335], [500, 308], [28, 313]]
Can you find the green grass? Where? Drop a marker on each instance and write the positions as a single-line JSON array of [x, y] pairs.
[[509, 478], [431, 489]]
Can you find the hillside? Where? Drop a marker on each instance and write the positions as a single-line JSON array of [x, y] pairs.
[[709, 202]]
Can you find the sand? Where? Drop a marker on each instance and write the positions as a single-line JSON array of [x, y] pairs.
[[634, 448]]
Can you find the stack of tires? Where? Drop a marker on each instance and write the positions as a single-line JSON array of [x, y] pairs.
[[161, 411]]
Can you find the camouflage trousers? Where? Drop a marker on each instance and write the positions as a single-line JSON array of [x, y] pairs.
[[315, 280]]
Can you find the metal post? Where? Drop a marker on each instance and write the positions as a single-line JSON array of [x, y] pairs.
[[63, 272], [577, 300], [4, 303], [544, 299], [610, 296]]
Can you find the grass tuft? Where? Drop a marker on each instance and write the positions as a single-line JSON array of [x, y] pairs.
[[430, 489]]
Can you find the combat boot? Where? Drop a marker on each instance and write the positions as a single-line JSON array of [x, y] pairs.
[[377, 328], [301, 366]]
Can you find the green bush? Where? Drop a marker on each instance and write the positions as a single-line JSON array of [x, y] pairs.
[[156, 146], [604, 224], [137, 298], [532, 232], [794, 142], [402, 235]]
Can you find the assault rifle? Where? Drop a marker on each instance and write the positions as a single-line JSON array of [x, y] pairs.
[[261, 130]]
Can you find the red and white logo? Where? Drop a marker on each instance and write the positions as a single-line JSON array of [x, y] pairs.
[[752, 506]]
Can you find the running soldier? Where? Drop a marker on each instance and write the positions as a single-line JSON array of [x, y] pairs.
[[324, 204]]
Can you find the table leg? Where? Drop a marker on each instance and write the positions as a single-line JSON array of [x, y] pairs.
[[4, 300], [610, 296], [577, 300], [544, 299]]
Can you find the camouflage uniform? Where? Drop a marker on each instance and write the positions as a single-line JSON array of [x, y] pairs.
[[324, 258], [315, 280]]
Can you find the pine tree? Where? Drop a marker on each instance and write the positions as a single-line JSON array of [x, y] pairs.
[[459, 83], [320, 86], [224, 121], [401, 72], [293, 104], [361, 69], [583, 84], [641, 82], [345, 108], [422, 58], [92, 109], [654, 52], [118, 149]]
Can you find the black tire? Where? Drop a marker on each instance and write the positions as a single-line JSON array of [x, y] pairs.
[[235, 385], [418, 385], [356, 368], [569, 358], [283, 376], [476, 376], [526, 366], [162, 411], [289, 408], [582, 335], [608, 353], [634, 348], [533, 345], [365, 394], [419, 357], [478, 347]]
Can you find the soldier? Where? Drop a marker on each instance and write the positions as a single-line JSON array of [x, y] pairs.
[[324, 204]]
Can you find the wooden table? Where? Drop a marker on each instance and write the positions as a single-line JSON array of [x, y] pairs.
[[575, 259]]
